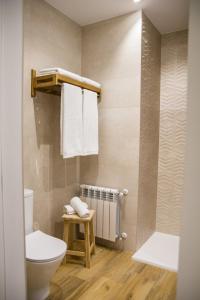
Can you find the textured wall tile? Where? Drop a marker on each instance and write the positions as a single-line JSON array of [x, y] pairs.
[[149, 130], [173, 106]]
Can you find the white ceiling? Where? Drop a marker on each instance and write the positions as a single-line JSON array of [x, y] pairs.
[[166, 15]]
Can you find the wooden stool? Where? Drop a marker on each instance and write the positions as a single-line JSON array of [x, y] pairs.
[[89, 242]]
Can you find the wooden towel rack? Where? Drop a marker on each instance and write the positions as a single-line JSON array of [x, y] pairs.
[[51, 84]]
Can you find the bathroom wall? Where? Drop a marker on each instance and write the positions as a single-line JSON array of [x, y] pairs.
[[173, 105], [50, 39], [123, 54], [149, 131], [112, 55]]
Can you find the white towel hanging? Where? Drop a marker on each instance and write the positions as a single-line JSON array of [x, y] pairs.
[[71, 121], [90, 123]]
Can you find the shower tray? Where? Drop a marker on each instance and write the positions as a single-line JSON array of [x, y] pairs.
[[160, 250]]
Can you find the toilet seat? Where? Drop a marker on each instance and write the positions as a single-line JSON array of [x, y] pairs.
[[41, 247]]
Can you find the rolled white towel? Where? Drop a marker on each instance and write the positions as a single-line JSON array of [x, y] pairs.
[[80, 207], [69, 210]]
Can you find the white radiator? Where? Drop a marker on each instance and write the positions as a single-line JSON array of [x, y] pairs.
[[106, 203]]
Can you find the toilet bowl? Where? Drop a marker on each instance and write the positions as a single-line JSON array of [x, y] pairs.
[[44, 254]]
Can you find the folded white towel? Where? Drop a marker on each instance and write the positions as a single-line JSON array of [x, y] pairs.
[[68, 209], [79, 207], [61, 71], [72, 75], [71, 121], [91, 82], [90, 123]]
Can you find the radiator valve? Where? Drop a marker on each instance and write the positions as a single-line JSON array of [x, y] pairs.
[[124, 236], [125, 192]]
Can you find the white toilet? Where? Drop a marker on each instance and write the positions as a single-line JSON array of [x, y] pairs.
[[44, 254]]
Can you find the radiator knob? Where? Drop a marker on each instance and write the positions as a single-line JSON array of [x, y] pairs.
[[124, 235], [125, 192]]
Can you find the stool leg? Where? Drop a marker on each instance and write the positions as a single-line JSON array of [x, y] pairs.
[[66, 237], [87, 245], [92, 236]]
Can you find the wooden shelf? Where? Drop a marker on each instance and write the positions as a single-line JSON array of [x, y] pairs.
[[51, 84]]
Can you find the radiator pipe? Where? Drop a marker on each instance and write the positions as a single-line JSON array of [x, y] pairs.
[[122, 235]]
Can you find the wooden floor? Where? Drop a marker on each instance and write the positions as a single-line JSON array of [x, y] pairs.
[[113, 276]]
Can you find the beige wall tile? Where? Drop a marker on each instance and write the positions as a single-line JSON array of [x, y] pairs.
[[112, 56], [110, 52], [50, 39]]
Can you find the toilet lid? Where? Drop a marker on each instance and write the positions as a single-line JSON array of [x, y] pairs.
[[43, 247]]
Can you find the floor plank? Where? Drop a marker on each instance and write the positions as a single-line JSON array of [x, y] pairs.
[[113, 276]]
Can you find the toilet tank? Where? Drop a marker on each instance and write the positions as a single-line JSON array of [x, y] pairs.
[[28, 210]]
